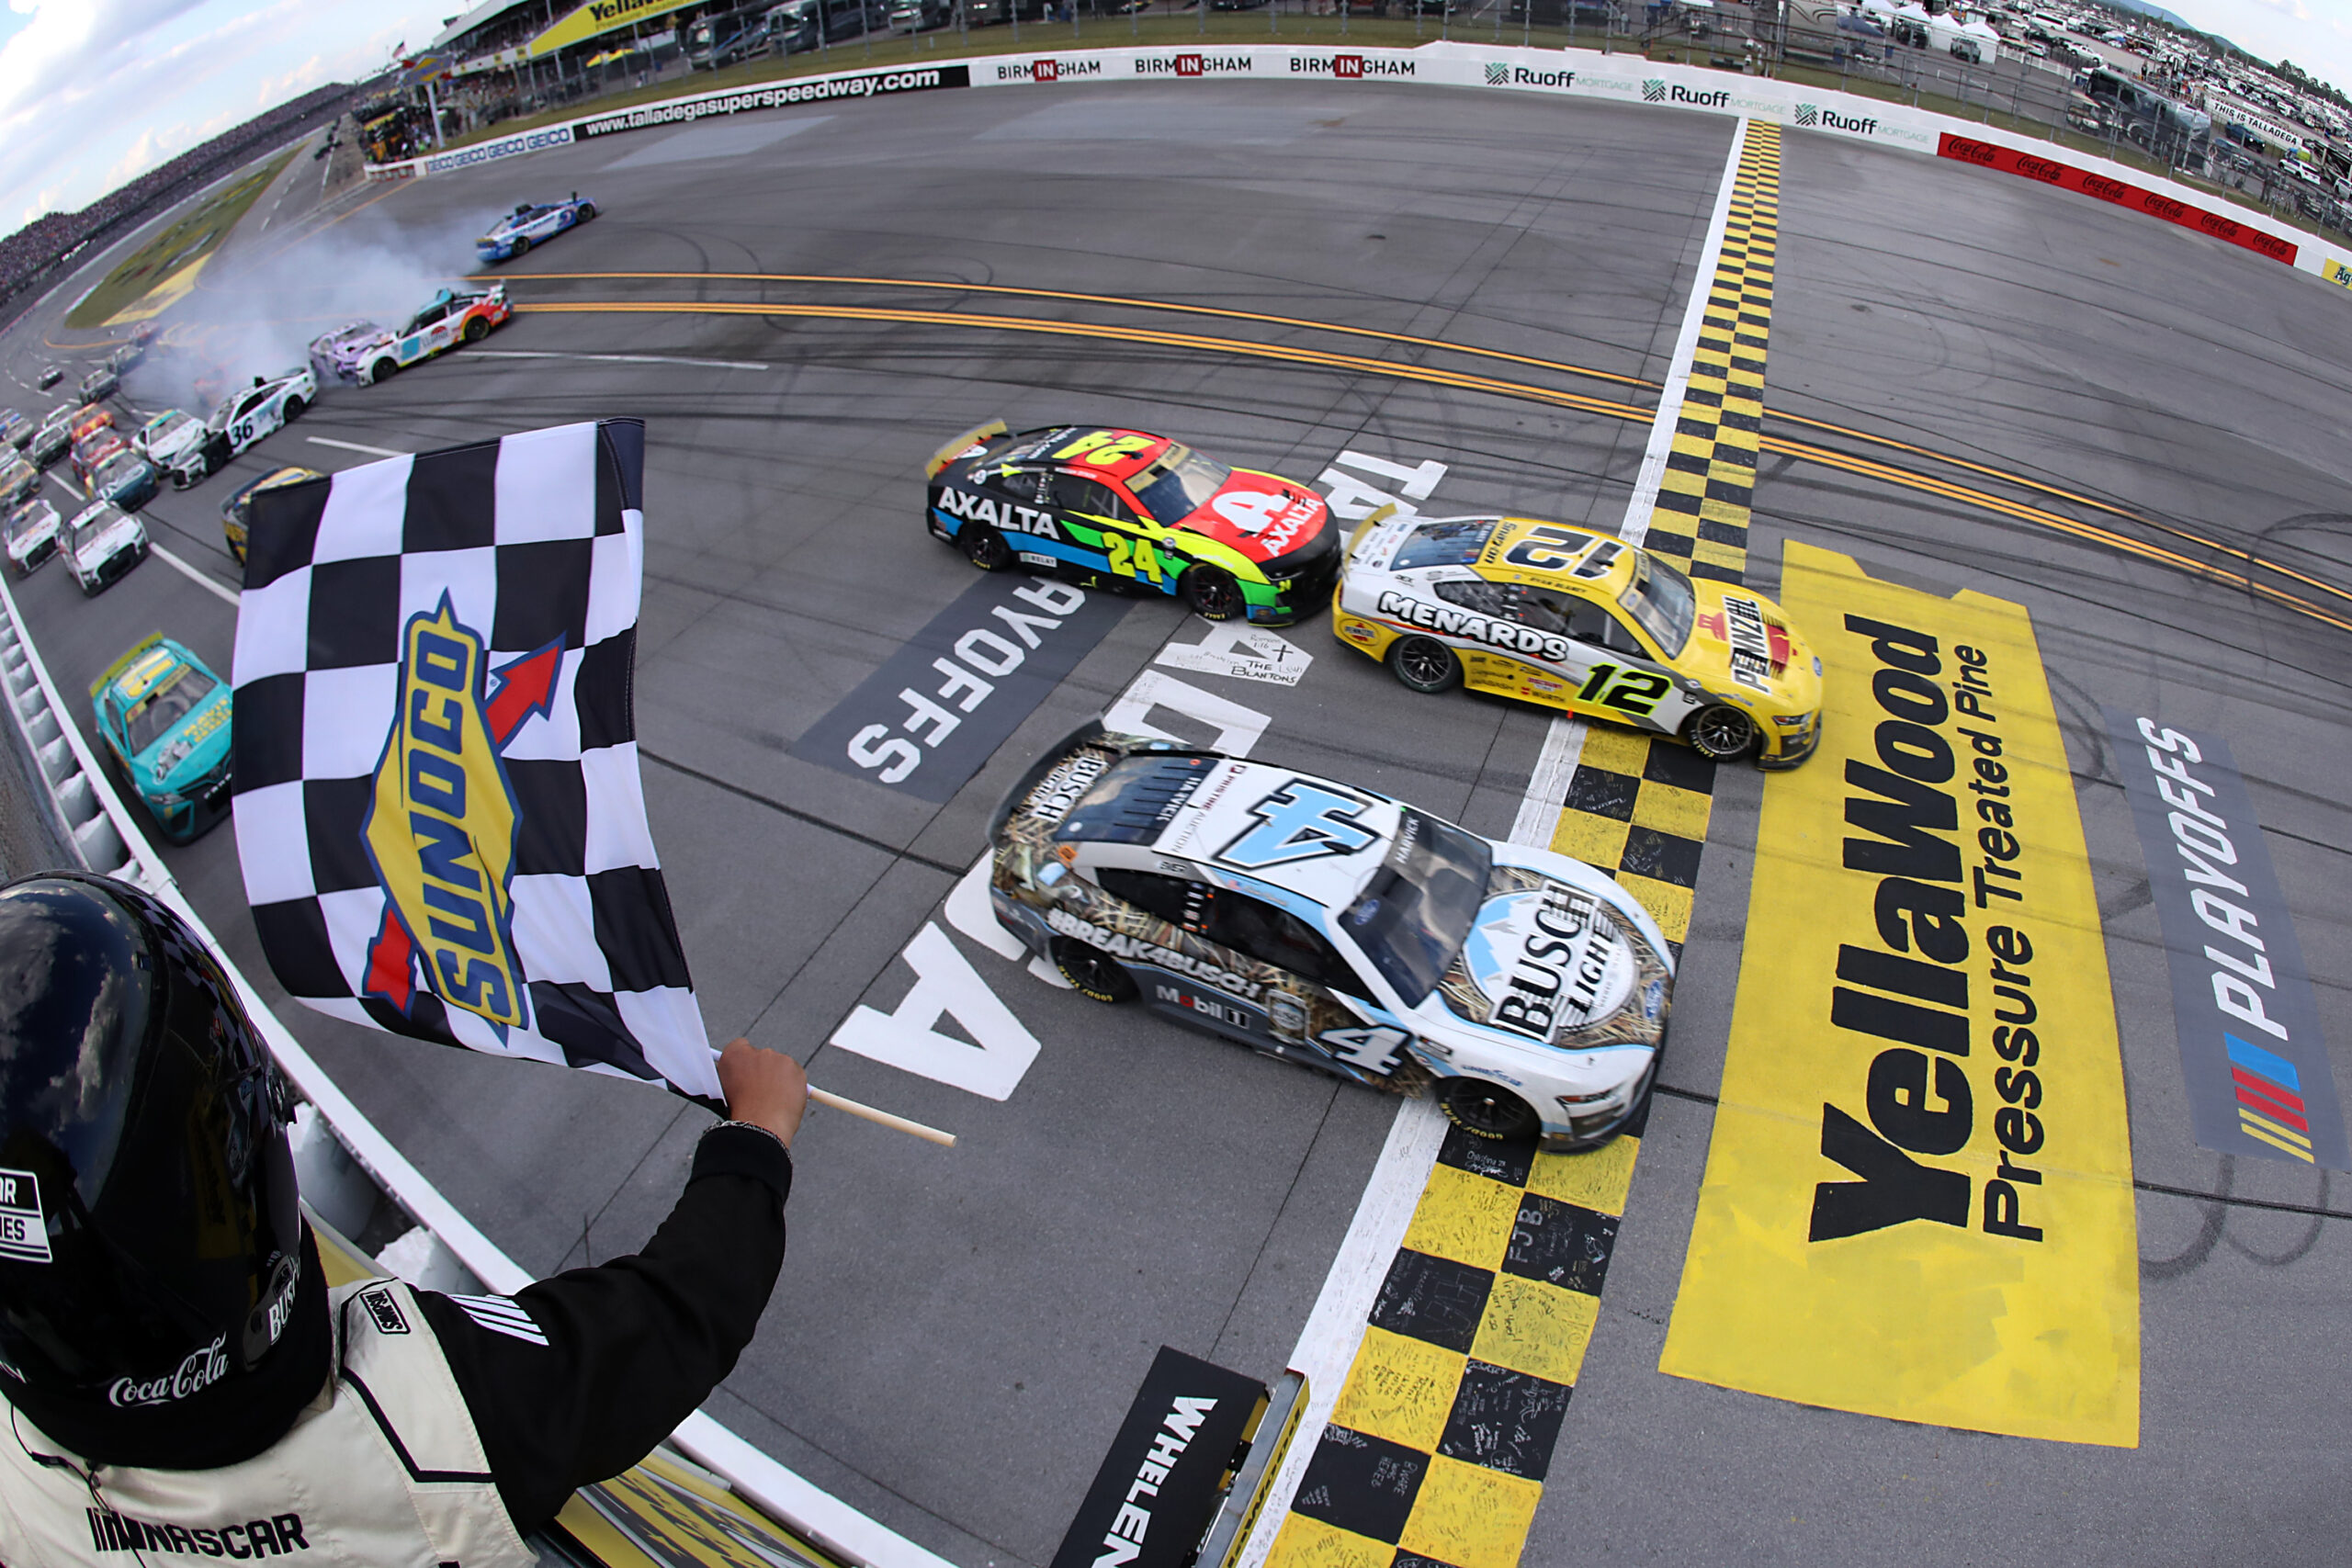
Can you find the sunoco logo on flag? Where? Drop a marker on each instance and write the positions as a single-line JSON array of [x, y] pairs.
[[438, 812]]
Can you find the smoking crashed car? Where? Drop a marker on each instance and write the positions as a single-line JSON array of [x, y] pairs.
[[175, 441], [1339, 928], [363, 353], [1109, 505], [162, 717]]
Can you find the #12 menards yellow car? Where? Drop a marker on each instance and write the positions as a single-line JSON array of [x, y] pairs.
[[1579, 620]]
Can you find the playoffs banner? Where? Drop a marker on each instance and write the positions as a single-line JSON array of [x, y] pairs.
[[438, 812], [1918, 1195]]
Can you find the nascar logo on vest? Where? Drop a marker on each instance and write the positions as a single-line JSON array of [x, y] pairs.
[[437, 805]]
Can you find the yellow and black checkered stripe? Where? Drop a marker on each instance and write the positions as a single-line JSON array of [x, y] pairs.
[[1443, 1433], [1701, 520]]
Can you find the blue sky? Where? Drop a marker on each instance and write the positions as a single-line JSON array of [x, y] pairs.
[[94, 93]]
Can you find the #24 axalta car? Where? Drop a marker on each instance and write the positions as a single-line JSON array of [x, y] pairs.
[[1579, 620], [1097, 504], [363, 352], [1338, 928], [163, 718], [528, 225]]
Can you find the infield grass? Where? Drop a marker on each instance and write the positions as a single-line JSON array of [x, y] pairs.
[[180, 245]]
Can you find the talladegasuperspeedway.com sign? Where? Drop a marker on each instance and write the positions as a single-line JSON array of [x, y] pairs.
[[865, 84]]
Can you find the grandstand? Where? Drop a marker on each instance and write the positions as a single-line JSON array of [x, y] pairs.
[[34, 255]]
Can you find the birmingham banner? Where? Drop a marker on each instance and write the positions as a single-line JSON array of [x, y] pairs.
[[437, 805], [1918, 1198]]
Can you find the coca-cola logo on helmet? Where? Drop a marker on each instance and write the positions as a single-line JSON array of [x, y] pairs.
[[203, 1367]]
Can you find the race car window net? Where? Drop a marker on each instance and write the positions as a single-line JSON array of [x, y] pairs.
[[152, 717], [1135, 801], [1179, 484], [1415, 913], [1277, 936], [1443, 544], [1662, 600]]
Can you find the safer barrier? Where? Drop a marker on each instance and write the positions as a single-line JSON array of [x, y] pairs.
[[1572, 72], [109, 840]]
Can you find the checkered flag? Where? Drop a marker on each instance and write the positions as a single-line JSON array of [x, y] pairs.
[[438, 804]]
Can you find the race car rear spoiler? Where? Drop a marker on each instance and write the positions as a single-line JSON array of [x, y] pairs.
[[1048, 761], [948, 454], [105, 677]]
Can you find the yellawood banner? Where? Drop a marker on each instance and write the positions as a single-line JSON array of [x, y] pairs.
[[1919, 1197], [598, 17]]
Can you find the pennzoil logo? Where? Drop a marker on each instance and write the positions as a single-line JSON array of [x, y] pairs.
[[442, 821]]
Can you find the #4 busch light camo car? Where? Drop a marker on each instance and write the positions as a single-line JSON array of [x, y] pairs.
[[1579, 620], [363, 352], [163, 718], [1339, 928], [1096, 506]]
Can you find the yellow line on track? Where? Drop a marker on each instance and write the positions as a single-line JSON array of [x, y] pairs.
[[1123, 301], [1241, 347]]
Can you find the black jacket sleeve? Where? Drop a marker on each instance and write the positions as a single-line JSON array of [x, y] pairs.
[[600, 1364]]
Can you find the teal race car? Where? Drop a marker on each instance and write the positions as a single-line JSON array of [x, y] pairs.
[[162, 719]]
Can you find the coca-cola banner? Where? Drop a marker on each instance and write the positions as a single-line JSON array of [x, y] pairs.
[[2033, 166]]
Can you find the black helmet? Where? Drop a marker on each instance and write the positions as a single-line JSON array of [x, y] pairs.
[[160, 1304]]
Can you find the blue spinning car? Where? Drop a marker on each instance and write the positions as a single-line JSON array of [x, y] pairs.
[[162, 717], [530, 225]]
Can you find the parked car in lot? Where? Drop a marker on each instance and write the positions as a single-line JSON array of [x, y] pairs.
[[102, 544], [162, 719], [33, 530]]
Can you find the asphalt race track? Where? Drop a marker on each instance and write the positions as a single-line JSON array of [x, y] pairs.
[[957, 1332]]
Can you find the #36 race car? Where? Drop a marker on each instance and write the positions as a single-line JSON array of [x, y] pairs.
[[163, 720], [1579, 620], [1093, 505], [528, 225], [363, 352], [1339, 928], [236, 512], [270, 404]]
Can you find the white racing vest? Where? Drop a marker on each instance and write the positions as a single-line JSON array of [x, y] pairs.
[[386, 1472]]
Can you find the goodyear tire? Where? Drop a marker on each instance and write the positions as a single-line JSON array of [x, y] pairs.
[[1213, 593], [294, 407], [476, 330], [522, 248], [382, 370], [587, 211], [1424, 663], [1091, 972], [984, 547], [1487, 1111], [1721, 733]]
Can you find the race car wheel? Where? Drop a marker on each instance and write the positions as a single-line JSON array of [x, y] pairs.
[[587, 211], [984, 547], [522, 243], [294, 407], [476, 330], [1424, 663], [381, 370], [1093, 972], [1213, 594], [1721, 733], [1487, 1111]]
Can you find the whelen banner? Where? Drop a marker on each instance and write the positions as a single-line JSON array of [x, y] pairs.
[[1917, 1203]]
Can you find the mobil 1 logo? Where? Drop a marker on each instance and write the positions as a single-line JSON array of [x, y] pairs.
[[24, 1235]]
